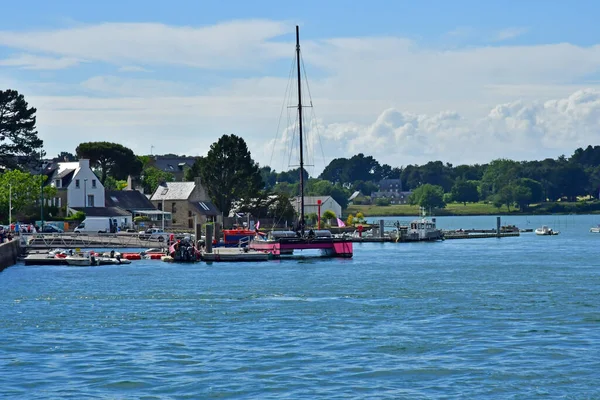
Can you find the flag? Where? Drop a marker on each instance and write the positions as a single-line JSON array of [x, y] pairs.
[[257, 226], [341, 223]]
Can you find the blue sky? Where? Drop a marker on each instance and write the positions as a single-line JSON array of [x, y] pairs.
[[435, 79]]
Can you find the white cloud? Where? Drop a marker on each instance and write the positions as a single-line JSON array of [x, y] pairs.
[[29, 61], [383, 96], [133, 68], [510, 33], [235, 45]]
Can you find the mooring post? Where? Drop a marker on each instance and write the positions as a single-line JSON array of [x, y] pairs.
[[209, 238], [198, 234], [497, 226], [217, 233], [381, 228]]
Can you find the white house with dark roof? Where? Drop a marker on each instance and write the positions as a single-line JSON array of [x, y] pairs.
[[186, 201], [311, 205], [77, 185]]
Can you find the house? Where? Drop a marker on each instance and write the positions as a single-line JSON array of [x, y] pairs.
[[77, 185], [187, 202], [311, 205], [393, 197], [173, 164], [390, 185], [137, 205], [391, 189]]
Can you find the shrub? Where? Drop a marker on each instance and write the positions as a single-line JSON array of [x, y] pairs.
[[78, 216]]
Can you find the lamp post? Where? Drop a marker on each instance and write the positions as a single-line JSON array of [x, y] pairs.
[[163, 194], [41, 189], [84, 193], [319, 214], [9, 204]]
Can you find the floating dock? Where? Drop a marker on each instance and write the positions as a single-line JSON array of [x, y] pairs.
[[232, 254]]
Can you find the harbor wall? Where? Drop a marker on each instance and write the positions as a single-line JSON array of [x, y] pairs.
[[9, 252]]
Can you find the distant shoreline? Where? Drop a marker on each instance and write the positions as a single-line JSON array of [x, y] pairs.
[[476, 209]]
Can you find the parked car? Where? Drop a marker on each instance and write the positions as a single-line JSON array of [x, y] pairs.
[[154, 234], [51, 229]]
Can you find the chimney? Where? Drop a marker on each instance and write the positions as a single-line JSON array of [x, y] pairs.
[[129, 183], [84, 163]]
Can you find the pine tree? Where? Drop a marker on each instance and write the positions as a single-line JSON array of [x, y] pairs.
[[20, 145]]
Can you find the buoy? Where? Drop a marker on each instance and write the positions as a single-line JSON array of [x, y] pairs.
[[153, 256], [131, 256]]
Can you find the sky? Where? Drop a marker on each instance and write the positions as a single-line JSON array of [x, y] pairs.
[[407, 82]]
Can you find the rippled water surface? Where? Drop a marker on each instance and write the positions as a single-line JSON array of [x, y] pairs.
[[486, 318]]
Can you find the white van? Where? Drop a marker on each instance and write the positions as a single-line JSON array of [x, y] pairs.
[[97, 225]]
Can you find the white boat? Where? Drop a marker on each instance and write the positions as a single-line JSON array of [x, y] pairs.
[[424, 229], [112, 260], [595, 229], [78, 261], [546, 231]]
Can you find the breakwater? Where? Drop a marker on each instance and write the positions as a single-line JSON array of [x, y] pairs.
[[9, 253]]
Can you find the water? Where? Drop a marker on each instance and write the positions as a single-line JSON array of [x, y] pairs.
[[484, 318]]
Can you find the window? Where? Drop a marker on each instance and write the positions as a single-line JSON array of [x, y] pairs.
[[90, 200], [159, 206], [189, 214], [190, 223], [93, 183], [173, 208], [57, 183], [77, 183]]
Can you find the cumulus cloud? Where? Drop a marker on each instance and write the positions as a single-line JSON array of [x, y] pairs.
[[518, 130]]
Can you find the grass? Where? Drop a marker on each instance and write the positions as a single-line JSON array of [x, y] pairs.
[[560, 207]]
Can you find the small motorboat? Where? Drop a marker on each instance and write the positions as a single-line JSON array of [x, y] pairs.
[[80, 261], [546, 231], [595, 229], [112, 260]]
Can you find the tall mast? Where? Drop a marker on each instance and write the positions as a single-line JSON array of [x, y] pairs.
[[300, 130]]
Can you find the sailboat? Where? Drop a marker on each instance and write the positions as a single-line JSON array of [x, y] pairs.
[[285, 242]]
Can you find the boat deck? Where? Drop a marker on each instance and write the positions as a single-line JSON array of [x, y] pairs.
[[231, 254]]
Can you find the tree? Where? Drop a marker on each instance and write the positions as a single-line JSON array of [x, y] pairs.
[[111, 159], [536, 188], [341, 195], [113, 184], [328, 215], [505, 196], [65, 156], [20, 146], [521, 195], [228, 172], [152, 177], [499, 173], [25, 189], [464, 191], [269, 177], [428, 196]]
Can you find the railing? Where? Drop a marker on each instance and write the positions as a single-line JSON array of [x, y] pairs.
[[96, 240]]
